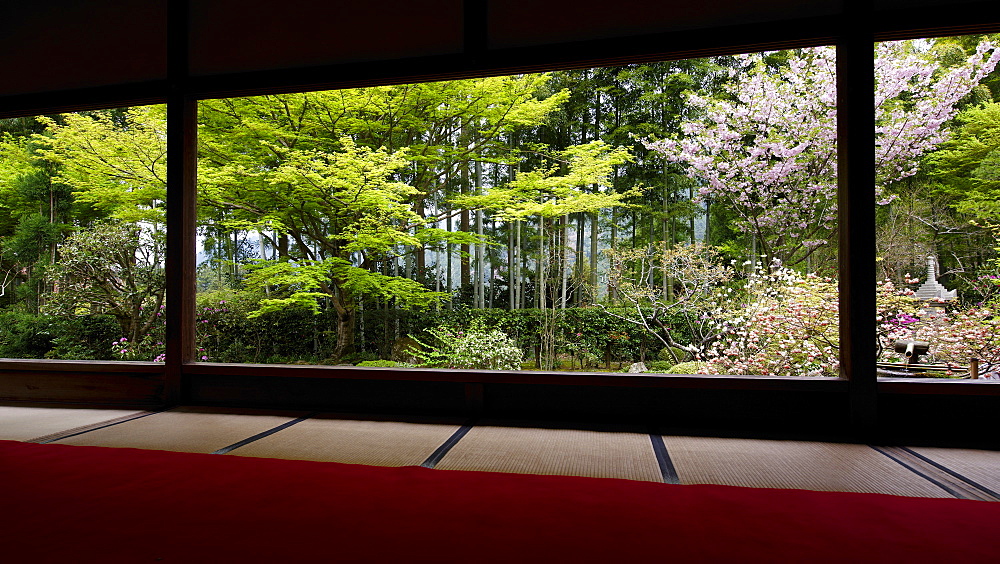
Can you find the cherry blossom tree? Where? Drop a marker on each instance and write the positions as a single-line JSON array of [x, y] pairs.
[[767, 148]]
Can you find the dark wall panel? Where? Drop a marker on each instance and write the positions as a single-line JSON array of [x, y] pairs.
[[940, 419], [371, 396], [237, 36], [521, 23], [83, 387], [66, 44]]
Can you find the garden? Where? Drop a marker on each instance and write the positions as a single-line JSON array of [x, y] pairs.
[[676, 217]]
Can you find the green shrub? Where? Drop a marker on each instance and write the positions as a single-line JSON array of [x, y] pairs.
[[475, 347], [359, 358], [693, 367], [679, 355], [227, 335], [659, 366], [385, 364], [23, 335], [84, 337]]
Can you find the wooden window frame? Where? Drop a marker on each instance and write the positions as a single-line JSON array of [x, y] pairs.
[[852, 32]]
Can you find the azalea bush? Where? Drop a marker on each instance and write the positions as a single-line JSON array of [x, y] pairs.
[[957, 337], [791, 329], [787, 327], [474, 347], [896, 313]]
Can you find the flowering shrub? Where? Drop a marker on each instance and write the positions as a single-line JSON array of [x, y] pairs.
[[146, 349], [696, 300], [787, 327], [475, 347], [957, 337], [984, 289], [895, 317], [790, 328], [152, 345]]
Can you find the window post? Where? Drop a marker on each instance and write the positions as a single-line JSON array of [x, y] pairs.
[[182, 127], [856, 215]]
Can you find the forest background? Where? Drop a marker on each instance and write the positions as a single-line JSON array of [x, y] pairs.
[[678, 213]]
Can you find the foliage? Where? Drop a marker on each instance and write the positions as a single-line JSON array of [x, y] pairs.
[[968, 165], [227, 333], [767, 150], [556, 190], [24, 335], [693, 367], [659, 366], [474, 347], [696, 293], [671, 353], [146, 348], [337, 180], [301, 280], [112, 269], [547, 194], [116, 161], [383, 364], [82, 337]]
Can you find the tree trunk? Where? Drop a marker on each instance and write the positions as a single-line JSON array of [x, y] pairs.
[[447, 246], [519, 265], [345, 334], [419, 253], [580, 259], [480, 290], [540, 270], [594, 236], [612, 294], [511, 272], [708, 222], [463, 226], [346, 317], [563, 257], [282, 246]]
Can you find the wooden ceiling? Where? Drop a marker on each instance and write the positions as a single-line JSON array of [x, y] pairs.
[[87, 49]]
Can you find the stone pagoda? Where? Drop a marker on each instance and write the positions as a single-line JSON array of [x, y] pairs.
[[931, 292]]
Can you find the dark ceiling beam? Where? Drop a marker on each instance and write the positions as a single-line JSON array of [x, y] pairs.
[[477, 60], [114, 96], [963, 18]]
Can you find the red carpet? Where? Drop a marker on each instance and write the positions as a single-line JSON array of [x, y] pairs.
[[86, 504]]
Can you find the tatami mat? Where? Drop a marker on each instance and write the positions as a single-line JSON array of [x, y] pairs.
[[331, 438], [980, 466], [528, 448], [793, 464], [25, 423], [187, 429], [555, 451]]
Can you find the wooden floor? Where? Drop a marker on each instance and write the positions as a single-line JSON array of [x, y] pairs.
[[455, 444]]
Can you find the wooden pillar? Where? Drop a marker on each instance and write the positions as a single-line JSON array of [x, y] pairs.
[[182, 122], [856, 216]]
